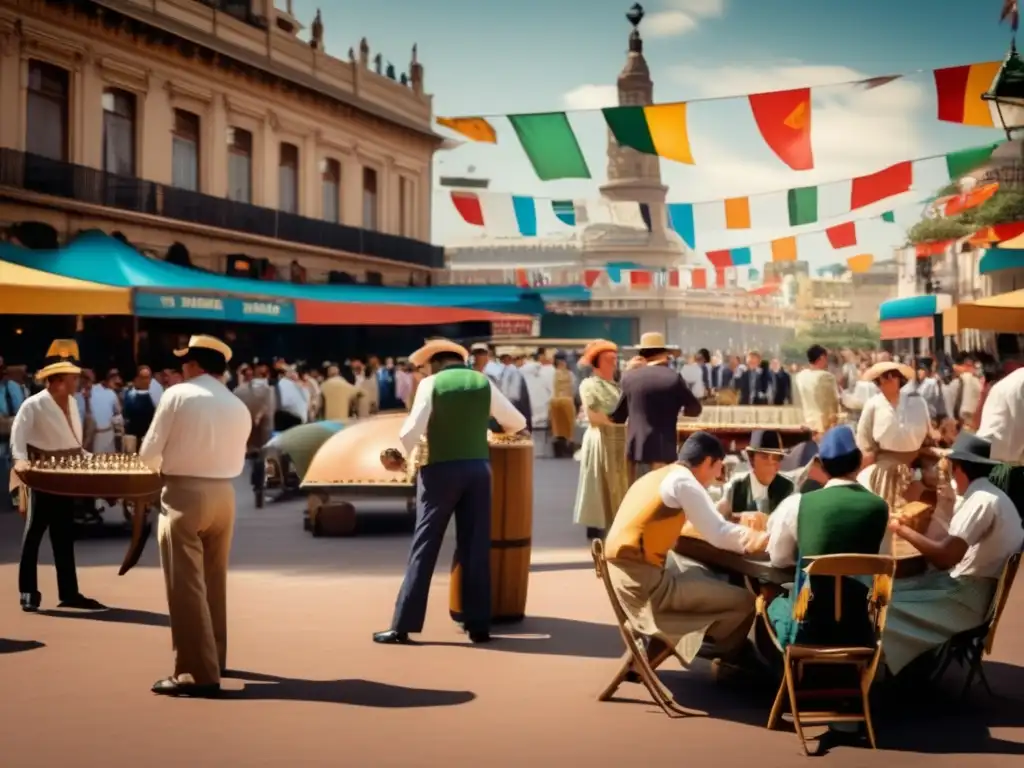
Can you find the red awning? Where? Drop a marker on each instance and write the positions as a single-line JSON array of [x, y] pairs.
[[331, 313], [908, 328]]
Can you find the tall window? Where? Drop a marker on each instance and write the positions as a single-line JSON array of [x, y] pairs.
[[288, 179], [46, 125], [330, 174], [119, 132], [404, 205], [369, 198], [239, 165], [185, 151]]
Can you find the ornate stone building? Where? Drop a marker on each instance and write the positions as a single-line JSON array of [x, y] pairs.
[[209, 129]]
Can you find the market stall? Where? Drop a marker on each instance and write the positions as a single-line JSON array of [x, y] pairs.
[[1000, 314], [28, 291]]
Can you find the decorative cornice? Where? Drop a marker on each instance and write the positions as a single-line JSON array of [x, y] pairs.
[[240, 107], [123, 73], [184, 90], [34, 40], [344, 146]]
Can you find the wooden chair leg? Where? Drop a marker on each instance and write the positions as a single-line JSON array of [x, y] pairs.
[[776, 713], [624, 667], [794, 708], [865, 689]]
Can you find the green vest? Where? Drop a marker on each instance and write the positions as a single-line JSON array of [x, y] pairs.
[[459, 413], [743, 494], [843, 519]]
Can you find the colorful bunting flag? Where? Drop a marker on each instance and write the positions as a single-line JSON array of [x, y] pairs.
[[699, 279], [964, 161], [803, 206], [680, 217], [502, 214], [735, 257], [548, 140], [889, 216], [959, 91], [784, 249], [737, 213], [860, 263], [842, 235], [892, 181], [955, 204], [658, 129], [784, 119], [474, 128], [565, 211], [468, 206]]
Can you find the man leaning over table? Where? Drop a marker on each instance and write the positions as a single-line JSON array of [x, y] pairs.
[[672, 601], [844, 517]]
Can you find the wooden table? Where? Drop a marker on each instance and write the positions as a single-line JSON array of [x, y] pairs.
[[737, 437], [909, 562]]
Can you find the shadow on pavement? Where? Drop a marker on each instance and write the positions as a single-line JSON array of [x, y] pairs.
[[580, 565], [115, 616], [359, 693], [553, 636], [18, 646]]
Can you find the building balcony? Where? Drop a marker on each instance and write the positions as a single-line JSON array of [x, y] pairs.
[[41, 175]]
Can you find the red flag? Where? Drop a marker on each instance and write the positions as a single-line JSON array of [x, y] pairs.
[[842, 235], [784, 119], [522, 279], [673, 278], [891, 181], [699, 279], [932, 248], [719, 277], [639, 278], [468, 206], [720, 259], [590, 277]]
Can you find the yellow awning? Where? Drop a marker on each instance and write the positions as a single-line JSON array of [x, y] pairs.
[[26, 291], [1002, 314]]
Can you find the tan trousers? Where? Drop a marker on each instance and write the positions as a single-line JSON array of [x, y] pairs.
[[197, 520]]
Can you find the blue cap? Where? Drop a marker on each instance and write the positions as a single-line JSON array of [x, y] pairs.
[[837, 443]]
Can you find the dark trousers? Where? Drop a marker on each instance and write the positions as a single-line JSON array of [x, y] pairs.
[[462, 488], [56, 513], [258, 472]]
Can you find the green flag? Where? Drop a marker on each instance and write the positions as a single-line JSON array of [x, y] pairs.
[[551, 145], [966, 160], [803, 206]]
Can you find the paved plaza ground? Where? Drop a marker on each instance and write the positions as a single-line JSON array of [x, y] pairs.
[[315, 691]]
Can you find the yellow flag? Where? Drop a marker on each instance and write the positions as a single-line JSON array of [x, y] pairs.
[[475, 128]]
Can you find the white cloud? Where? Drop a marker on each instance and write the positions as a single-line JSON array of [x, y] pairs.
[[591, 97], [705, 9], [668, 24]]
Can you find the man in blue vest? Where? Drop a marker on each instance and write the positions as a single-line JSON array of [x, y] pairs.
[[452, 408]]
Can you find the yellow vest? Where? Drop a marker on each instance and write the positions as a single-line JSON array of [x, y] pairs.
[[643, 523]]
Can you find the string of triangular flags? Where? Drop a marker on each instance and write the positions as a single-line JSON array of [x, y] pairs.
[[985, 237], [783, 118]]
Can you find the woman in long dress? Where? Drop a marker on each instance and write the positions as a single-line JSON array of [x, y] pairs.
[[603, 478]]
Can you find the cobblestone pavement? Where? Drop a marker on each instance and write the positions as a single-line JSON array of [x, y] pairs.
[[317, 692]]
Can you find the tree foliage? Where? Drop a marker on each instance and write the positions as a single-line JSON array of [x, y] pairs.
[[1004, 206], [833, 338]]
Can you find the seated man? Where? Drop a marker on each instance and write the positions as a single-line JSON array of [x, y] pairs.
[[763, 488], [844, 517], [984, 532], [666, 598]]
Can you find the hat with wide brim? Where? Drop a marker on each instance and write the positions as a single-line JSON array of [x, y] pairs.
[[971, 449], [61, 358], [879, 369], [479, 348], [595, 348], [653, 340], [202, 341], [766, 441], [426, 353]]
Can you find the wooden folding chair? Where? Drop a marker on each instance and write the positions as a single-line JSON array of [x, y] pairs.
[[864, 659], [635, 659], [969, 648]]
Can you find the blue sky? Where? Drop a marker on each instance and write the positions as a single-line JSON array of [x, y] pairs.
[[502, 57]]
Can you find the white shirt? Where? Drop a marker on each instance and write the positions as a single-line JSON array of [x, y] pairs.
[[757, 491], [901, 429], [1002, 418], [817, 394], [293, 398], [782, 529], [987, 520], [540, 387], [971, 387], [103, 405], [681, 490], [415, 425], [200, 429], [41, 423], [155, 391], [693, 375]]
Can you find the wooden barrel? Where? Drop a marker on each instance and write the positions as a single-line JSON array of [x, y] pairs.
[[511, 532]]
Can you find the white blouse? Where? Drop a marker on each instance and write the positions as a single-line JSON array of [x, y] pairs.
[[900, 429], [42, 424]]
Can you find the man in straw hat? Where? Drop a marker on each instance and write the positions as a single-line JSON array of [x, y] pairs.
[[968, 558], [653, 395], [48, 424], [198, 441], [452, 409], [763, 488], [673, 601], [892, 428]]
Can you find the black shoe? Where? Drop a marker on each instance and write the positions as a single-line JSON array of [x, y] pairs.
[[477, 638], [391, 637], [171, 687], [30, 601], [82, 603]]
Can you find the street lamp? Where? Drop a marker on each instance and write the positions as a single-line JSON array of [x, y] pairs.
[[1008, 93]]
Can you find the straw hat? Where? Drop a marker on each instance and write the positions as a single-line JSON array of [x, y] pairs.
[[878, 369], [425, 354], [595, 348], [202, 341], [61, 358], [479, 348], [653, 340]]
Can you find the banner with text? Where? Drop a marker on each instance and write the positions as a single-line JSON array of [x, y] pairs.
[[227, 309]]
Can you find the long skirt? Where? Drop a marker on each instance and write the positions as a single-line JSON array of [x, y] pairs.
[[603, 479], [928, 610], [562, 417], [680, 603]]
